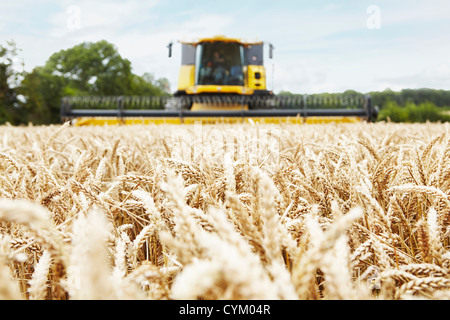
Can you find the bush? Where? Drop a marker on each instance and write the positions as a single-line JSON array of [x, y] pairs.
[[410, 112]]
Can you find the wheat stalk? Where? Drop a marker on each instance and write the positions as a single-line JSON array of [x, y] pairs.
[[38, 282]]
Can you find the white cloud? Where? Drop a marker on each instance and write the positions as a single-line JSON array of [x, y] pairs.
[[434, 75], [414, 11]]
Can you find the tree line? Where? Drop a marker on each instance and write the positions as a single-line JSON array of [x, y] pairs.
[[97, 68], [407, 105], [89, 68]]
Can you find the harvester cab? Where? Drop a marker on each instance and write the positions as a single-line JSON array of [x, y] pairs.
[[221, 80]]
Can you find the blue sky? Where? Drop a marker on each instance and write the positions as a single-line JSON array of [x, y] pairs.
[[321, 46]]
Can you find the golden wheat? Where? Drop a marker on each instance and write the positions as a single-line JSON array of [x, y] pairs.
[[329, 211]]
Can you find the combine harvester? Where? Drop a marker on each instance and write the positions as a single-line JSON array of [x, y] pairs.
[[221, 80]]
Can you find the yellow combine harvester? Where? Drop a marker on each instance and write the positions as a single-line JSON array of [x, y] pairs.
[[223, 67], [221, 80]]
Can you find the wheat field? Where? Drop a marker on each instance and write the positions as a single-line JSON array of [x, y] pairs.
[[326, 211]]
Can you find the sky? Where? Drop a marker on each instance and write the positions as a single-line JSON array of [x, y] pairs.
[[320, 46]]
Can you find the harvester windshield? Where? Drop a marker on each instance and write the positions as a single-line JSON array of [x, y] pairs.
[[220, 63]]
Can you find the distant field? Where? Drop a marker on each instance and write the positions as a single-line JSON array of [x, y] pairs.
[[348, 211]]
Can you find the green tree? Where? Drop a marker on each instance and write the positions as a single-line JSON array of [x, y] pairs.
[[91, 68], [43, 92], [147, 84], [285, 93], [10, 77]]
